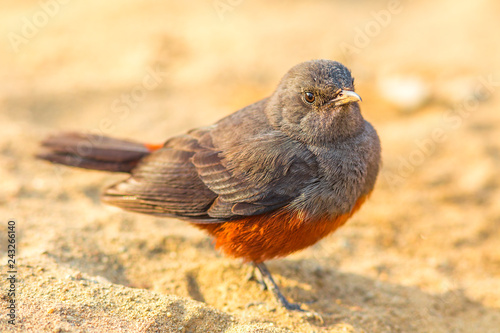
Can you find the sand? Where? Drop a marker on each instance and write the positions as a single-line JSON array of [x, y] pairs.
[[422, 255]]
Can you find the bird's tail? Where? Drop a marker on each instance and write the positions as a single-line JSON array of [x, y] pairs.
[[94, 152]]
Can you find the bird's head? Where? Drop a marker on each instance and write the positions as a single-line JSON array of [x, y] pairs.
[[315, 103]]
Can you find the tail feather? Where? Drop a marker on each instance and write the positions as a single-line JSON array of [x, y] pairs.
[[94, 151]]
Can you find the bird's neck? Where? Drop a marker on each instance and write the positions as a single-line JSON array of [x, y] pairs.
[[345, 124], [321, 129]]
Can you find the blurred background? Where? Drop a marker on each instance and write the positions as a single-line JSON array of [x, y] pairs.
[[422, 255]]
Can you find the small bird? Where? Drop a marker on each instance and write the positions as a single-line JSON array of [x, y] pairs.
[[270, 179]]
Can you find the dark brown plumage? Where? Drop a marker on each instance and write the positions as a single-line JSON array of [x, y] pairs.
[[266, 181]]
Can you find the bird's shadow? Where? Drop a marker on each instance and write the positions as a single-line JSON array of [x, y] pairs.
[[377, 305]]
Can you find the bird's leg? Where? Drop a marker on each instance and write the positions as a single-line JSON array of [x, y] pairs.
[[268, 280], [252, 276]]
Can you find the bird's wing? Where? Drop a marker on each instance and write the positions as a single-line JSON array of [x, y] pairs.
[[192, 178], [165, 183], [259, 176]]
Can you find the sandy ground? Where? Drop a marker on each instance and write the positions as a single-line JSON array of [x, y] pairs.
[[422, 255]]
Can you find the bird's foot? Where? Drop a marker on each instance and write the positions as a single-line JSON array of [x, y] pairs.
[[267, 279]]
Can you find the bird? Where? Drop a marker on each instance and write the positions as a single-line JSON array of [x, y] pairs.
[[268, 180]]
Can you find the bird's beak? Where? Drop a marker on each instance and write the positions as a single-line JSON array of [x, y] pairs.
[[346, 96]]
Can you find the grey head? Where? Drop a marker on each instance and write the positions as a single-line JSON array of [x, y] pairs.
[[315, 103]]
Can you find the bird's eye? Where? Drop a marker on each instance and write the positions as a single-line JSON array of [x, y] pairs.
[[309, 97]]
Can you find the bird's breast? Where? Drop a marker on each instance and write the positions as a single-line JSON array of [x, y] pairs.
[[277, 234]]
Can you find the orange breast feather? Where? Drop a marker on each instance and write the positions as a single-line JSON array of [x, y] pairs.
[[267, 236]]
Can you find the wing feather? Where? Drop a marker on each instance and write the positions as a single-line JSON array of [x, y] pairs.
[[193, 178]]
